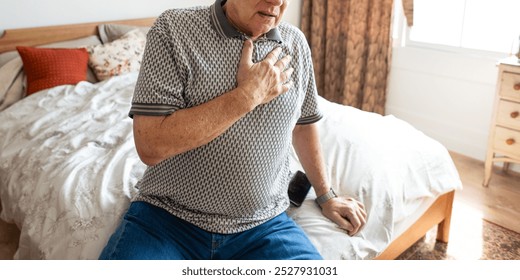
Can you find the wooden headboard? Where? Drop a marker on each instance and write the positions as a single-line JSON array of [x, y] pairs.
[[50, 34]]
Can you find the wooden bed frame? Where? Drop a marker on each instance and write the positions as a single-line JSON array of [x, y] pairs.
[[49, 34], [438, 214]]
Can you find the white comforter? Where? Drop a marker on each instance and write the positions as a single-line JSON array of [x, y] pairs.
[[68, 168]]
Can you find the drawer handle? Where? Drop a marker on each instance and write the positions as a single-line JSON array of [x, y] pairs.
[[515, 114], [516, 86], [510, 141]]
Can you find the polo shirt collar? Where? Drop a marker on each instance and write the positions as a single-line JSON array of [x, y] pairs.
[[225, 29]]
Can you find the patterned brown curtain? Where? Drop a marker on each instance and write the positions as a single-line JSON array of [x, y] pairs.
[[408, 11], [350, 42]]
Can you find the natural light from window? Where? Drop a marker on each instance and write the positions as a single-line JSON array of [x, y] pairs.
[[489, 25]]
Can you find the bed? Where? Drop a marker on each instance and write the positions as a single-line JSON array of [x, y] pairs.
[[68, 165]]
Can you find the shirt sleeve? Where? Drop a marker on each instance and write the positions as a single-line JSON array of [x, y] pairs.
[[310, 110], [160, 85]]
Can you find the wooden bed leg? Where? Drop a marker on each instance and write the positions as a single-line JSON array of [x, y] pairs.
[[439, 214], [443, 229]]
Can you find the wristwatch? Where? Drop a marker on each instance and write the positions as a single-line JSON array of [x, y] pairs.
[[326, 197]]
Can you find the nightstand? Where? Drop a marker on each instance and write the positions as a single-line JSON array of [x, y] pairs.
[[504, 135]]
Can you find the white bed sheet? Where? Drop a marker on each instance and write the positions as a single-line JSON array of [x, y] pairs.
[[393, 168], [68, 168]]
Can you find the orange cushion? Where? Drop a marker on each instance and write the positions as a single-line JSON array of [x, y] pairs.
[[46, 67]]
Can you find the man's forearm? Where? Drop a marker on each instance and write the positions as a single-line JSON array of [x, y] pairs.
[[308, 148], [160, 137]]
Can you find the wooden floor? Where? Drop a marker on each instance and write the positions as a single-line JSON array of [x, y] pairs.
[[485, 221], [499, 204]]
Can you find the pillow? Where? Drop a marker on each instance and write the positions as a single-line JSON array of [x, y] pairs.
[[49, 67], [111, 32], [12, 87], [7, 56], [11, 82], [118, 57], [79, 43]]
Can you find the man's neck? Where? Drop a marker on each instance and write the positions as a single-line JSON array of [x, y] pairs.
[[229, 16]]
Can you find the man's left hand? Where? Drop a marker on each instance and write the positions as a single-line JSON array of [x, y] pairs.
[[348, 213]]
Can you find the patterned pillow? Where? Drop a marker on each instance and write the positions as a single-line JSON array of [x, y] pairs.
[[48, 67], [118, 57]]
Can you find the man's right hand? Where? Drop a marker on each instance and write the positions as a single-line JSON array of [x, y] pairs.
[[263, 81], [160, 137]]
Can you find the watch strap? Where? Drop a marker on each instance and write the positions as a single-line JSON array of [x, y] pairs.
[[326, 197]]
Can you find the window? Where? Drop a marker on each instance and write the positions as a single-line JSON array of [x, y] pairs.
[[488, 25]]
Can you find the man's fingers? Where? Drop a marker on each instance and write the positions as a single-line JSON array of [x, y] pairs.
[[272, 57], [287, 75], [287, 86], [363, 213], [360, 205], [354, 220], [247, 54], [343, 223], [362, 217], [283, 63]]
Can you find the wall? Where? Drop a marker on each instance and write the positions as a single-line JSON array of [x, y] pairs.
[[33, 13], [449, 96], [445, 93]]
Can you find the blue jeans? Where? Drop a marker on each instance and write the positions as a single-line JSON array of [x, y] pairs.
[[150, 232]]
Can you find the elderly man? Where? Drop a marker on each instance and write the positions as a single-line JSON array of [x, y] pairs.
[[222, 94]]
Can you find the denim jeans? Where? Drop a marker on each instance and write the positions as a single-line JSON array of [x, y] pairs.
[[150, 232]]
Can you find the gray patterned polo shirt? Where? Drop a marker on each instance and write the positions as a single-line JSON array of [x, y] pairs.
[[238, 180]]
